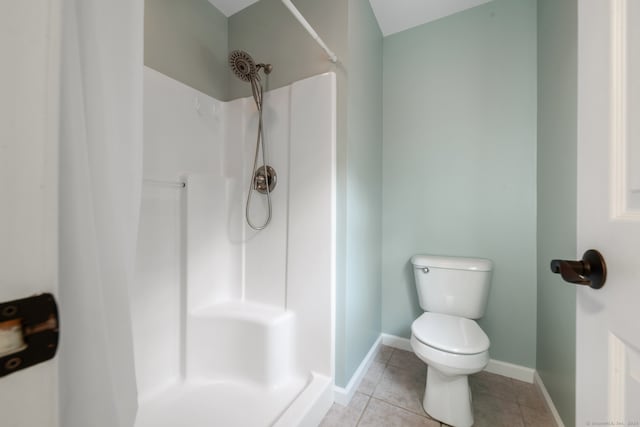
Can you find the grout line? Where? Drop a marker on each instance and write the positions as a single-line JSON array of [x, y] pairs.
[[521, 414], [363, 411], [378, 380], [387, 365], [371, 396], [424, 415], [381, 374]]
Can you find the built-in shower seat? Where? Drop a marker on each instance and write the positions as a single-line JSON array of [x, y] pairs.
[[240, 341]]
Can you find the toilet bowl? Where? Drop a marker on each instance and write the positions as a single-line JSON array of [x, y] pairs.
[[453, 348], [453, 291]]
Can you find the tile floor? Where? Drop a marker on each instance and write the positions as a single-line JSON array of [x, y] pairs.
[[391, 392]]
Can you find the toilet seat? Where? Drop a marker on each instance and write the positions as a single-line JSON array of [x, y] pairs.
[[451, 334]]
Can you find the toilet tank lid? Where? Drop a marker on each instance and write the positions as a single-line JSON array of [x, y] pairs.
[[452, 262]]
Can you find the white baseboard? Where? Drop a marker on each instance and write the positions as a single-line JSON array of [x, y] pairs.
[[343, 395], [510, 370], [537, 380], [396, 342], [505, 369]]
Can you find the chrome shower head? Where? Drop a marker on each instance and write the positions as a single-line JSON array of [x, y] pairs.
[[244, 67]]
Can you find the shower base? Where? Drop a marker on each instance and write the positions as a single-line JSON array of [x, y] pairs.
[[299, 402], [239, 372]]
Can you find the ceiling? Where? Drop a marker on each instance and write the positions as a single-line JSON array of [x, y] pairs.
[[399, 15], [393, 15], [229, 7]]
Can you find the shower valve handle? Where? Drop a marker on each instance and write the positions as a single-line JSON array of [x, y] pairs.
[[265, 176]]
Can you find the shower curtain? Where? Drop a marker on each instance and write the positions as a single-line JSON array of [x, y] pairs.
[[100, 184]]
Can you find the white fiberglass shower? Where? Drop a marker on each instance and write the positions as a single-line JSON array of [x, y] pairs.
[[234, 327]]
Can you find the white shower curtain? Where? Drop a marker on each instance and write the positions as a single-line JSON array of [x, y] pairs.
[[100, 184]]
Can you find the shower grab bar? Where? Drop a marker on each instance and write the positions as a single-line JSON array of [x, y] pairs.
[[332, 56], [175, 184]]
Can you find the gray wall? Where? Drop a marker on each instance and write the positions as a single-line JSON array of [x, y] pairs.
[[187, 40], [459, 163], [269, 32], [557, 171]]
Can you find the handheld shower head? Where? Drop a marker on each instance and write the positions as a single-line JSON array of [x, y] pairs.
[[244, 67], [263, 179]]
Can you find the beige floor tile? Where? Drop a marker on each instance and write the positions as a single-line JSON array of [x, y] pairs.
[[396, 383], [494, 385], [402, 387], [491, 411], [346, 416], [529, 395], [537, 418], [384, 354], [407, 360], [382, 414], [371, 378]]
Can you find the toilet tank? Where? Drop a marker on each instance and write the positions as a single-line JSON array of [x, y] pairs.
[[452, 285]]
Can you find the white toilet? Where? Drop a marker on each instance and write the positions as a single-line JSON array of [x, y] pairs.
[[452, 291]]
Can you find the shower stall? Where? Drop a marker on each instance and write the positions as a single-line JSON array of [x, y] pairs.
[[234, 326]]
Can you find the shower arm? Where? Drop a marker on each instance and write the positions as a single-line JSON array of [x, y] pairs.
[[332, 56]]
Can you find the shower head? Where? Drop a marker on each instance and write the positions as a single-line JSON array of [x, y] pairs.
[[244, 67]]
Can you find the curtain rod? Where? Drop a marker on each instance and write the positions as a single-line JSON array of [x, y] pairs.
[[332, 56]]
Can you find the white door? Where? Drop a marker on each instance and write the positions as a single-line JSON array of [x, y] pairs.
[[608, 320], [28, 190]]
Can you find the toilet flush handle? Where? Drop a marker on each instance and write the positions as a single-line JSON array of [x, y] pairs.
[[425, 270]]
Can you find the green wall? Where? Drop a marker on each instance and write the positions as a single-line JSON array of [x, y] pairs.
[[362, 288], [187, 40], [557, 171], [459, 163]]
